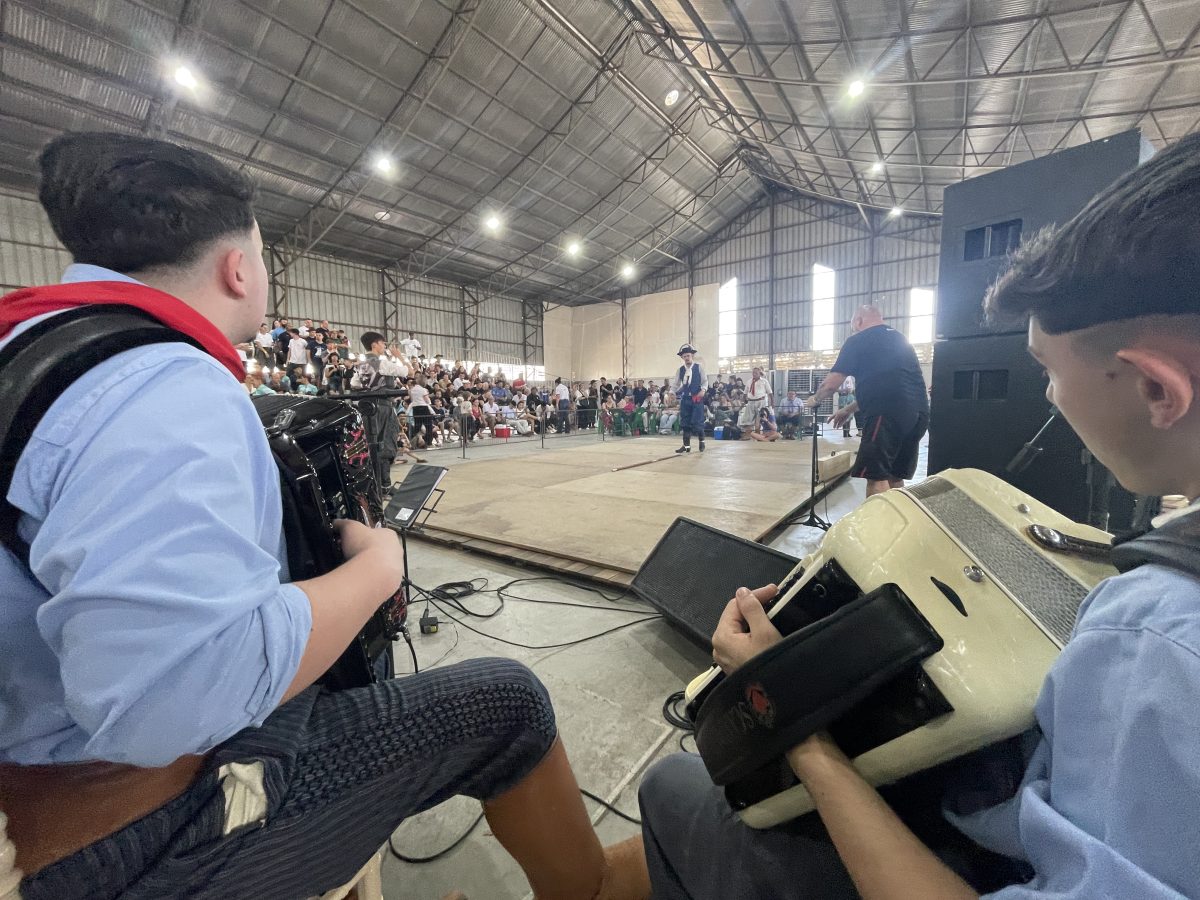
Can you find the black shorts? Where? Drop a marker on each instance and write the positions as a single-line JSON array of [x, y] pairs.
[[889, 449]]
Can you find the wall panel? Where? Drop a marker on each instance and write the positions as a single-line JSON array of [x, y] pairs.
[[30, 254], [879, 264]]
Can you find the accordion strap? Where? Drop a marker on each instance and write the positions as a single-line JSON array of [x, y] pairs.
[[808, 680], [40, 363], [1174, 544]]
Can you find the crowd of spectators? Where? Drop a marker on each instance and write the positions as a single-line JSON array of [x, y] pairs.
[[441, 401]]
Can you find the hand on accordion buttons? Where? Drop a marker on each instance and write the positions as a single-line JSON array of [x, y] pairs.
[[744, 630], [357, 538]]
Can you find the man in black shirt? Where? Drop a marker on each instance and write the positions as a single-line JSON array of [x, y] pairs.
[[891, 398]]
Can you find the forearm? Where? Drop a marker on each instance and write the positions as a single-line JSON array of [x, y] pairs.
[[884, 858], [828, 387], [341, 601]]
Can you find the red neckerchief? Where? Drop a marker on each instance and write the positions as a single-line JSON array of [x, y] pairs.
[[28, 303], [753, 381]]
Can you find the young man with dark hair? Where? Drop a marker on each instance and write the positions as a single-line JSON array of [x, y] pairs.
[[1103, 803], [891, 398], [159, 732]]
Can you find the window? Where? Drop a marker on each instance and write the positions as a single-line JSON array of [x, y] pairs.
[[727, 310], [920, 316], [1000, 239], [824, 306]]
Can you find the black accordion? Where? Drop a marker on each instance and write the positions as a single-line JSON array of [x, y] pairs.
[[320, 447]]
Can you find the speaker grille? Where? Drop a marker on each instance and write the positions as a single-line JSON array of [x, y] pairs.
[[1049, 594], [695, 570]]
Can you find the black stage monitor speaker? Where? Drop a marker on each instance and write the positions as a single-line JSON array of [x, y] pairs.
[[989, 400], [985, 218], [694, 571]]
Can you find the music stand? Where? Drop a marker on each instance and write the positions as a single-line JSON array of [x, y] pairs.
[[813, 520], [409, 500]]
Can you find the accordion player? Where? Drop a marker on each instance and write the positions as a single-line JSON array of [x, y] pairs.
[[324, 460], [921, 630]]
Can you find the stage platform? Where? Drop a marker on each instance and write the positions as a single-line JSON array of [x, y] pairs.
[[589, 510]]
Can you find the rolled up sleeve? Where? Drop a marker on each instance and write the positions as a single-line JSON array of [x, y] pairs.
[[168, 617]]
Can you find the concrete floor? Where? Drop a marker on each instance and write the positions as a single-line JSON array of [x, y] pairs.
[[608, 693]]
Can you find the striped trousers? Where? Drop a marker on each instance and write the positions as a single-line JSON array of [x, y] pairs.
[[296, 807]]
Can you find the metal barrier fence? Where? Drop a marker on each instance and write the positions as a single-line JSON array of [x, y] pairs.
[[546, 428]]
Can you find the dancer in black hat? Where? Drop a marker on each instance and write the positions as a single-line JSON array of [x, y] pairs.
[[689, 387]]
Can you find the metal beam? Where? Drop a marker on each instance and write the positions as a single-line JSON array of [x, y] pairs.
[[279, 284], [183, 44], [422, 260], [469, 301], [326, 212], [720, 47], [390, 292], [520, 270]]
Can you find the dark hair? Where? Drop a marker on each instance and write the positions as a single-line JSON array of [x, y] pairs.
[[1133, 251], [130, 203], [370, 337]]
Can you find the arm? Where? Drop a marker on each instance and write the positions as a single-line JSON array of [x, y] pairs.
[[828, 388], [168, 614], [885, 859], [391, 367], [342, 600], [843, 415]]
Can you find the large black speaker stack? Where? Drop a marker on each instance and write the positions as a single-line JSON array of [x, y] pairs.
[[988, 395]]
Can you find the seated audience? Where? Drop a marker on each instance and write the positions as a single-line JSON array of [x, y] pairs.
[[670, 414], [791, 414], [768, 430]]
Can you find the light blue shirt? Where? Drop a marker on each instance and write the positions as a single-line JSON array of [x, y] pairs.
[[1110, 802], [157, 621]]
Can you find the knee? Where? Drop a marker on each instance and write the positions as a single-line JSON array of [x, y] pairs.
[[514, 688], [670, 784]]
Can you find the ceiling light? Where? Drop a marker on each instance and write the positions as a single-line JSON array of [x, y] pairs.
[[383, 215], [672, 98], [492, 223], [897, 212], [184, 77], [876, 167], [856, 88], [383, 164], [573, 248], [627, 271]]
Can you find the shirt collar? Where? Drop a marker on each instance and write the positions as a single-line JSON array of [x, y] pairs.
[[77, 272]]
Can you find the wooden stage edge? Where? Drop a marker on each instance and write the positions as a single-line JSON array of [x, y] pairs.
[[580, 569]]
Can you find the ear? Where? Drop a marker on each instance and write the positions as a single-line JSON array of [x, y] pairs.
[[232, 277], [1164, 384]]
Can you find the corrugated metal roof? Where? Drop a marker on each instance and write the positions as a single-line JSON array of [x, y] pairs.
[[496, 105]]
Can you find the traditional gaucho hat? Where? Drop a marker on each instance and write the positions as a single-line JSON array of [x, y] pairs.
[[687, 348]]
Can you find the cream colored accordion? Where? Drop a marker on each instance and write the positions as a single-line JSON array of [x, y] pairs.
[[958, 546]]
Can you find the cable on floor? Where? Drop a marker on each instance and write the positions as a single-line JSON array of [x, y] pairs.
[[458, 842]]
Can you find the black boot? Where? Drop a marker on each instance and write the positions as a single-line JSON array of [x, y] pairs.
[[701, 443], [687, 444]]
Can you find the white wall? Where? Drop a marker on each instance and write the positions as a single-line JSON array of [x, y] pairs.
[[584, 342], [596, 341], [556, 333]]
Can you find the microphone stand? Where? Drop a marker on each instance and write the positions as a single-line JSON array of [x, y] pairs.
[[1032, 449], [813, 520]]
